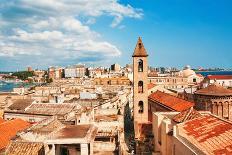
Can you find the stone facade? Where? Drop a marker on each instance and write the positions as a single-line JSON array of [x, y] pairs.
[[217, 105], [216, 99], [140, 86]]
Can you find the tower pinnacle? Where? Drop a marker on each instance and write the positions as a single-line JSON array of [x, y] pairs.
[[140, 50]]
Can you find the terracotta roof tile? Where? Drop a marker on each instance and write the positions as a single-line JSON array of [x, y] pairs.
[[172, 102], [24, 148], [20, 104], [211, 134], [214, 90], [9, 129], [50, 108], [220, 77]]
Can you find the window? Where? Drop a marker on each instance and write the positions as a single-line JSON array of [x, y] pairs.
[[140, 87], [140, 65], [194, 80], [140, 106]]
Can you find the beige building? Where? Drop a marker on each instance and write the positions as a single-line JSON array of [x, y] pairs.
[[51, 137], [140, 88], [112, 81], [55, 73], [191, 133], [183, 79]]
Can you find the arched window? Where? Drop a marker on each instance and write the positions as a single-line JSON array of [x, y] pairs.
[[140, 106], [140, 87], [140, 65]]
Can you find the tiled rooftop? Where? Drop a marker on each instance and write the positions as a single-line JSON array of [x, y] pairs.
[[208, 133], [47, 126], [20, 104], [24, 148], [214, 90], [50, 108], [73, 131], [186, 115], [172, 102], [9, 129]]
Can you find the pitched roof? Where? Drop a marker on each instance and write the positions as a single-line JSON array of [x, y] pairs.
[[169, 101], [140, 50], [22, 148], [9, 129], [50, 108], [214, 90], [220, 77], [186, 115], [210, 134], [47, 126], [20, 104]]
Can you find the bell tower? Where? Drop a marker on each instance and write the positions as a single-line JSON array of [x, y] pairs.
[[140, 82]]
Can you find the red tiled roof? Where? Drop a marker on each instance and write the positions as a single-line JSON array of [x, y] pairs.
[[8, 130], [214, 90], [219, 77], [150, 85], [170, 101], [209, 133], [1, 120]]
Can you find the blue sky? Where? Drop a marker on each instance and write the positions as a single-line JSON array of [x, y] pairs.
[[60, 33]]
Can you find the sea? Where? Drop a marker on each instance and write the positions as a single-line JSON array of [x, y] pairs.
[[8, 86], [206, 73]]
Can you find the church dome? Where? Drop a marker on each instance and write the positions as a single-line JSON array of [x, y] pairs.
[[188, 71]]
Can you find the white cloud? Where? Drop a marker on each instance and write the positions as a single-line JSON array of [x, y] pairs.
[[53, 28]]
